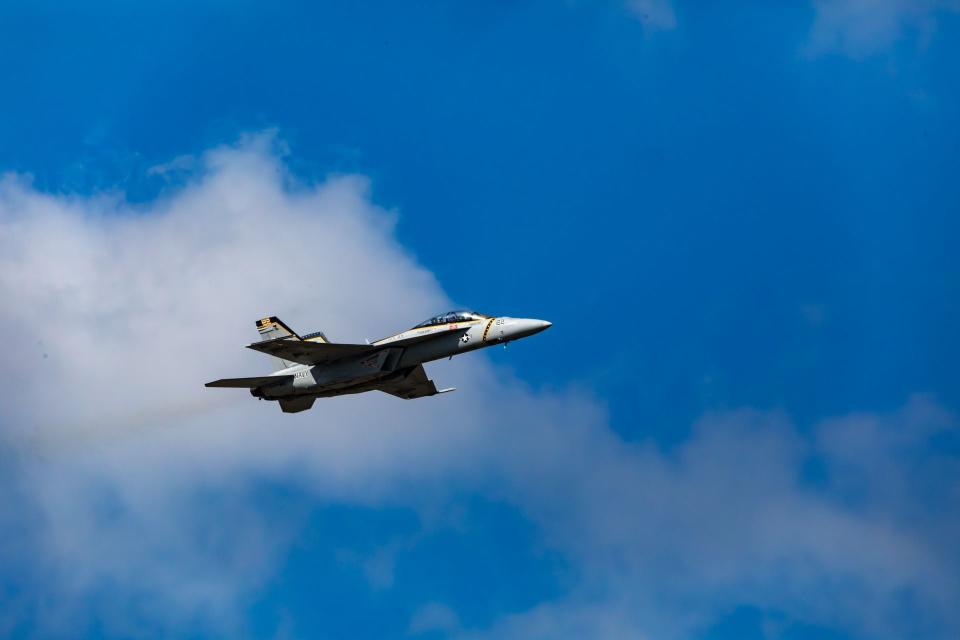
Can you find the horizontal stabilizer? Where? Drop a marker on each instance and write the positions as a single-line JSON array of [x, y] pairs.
[[249, 383], [304, 352]]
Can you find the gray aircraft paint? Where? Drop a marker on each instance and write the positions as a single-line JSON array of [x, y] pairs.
[[312, 367]]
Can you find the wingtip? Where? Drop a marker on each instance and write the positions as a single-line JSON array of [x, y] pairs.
[[447, 390]]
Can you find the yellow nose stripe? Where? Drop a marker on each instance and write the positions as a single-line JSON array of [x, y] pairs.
[[486, 329]]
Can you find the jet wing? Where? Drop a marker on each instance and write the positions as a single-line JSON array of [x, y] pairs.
[[249, 383], [304, 352], [415, 385]]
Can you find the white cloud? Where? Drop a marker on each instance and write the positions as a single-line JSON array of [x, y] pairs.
[[666, 541], [117, 314], [121, 313], [860, 28]]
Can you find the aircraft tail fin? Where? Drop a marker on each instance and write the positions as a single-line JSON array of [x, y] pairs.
[[272, 328]]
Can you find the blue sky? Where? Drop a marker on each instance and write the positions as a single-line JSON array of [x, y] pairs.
[[741, 221]]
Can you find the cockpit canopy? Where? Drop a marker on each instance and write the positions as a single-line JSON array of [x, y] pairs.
[[452, 316]]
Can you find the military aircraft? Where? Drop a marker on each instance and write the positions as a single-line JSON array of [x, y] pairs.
[[311, 367]]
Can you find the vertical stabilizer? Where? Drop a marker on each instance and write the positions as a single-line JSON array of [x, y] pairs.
[[272, 328]]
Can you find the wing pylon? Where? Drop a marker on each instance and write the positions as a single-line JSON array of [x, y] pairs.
[[415, 384]]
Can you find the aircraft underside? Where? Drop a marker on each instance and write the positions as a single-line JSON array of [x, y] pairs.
[[408, 384], [310, 367]]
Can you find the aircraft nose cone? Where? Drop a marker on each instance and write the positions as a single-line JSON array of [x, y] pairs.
[[523, 327]]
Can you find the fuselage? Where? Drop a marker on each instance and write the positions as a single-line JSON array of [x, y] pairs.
[[393, 357]]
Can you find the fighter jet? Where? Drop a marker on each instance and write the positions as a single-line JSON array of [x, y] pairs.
[[311, 367]]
